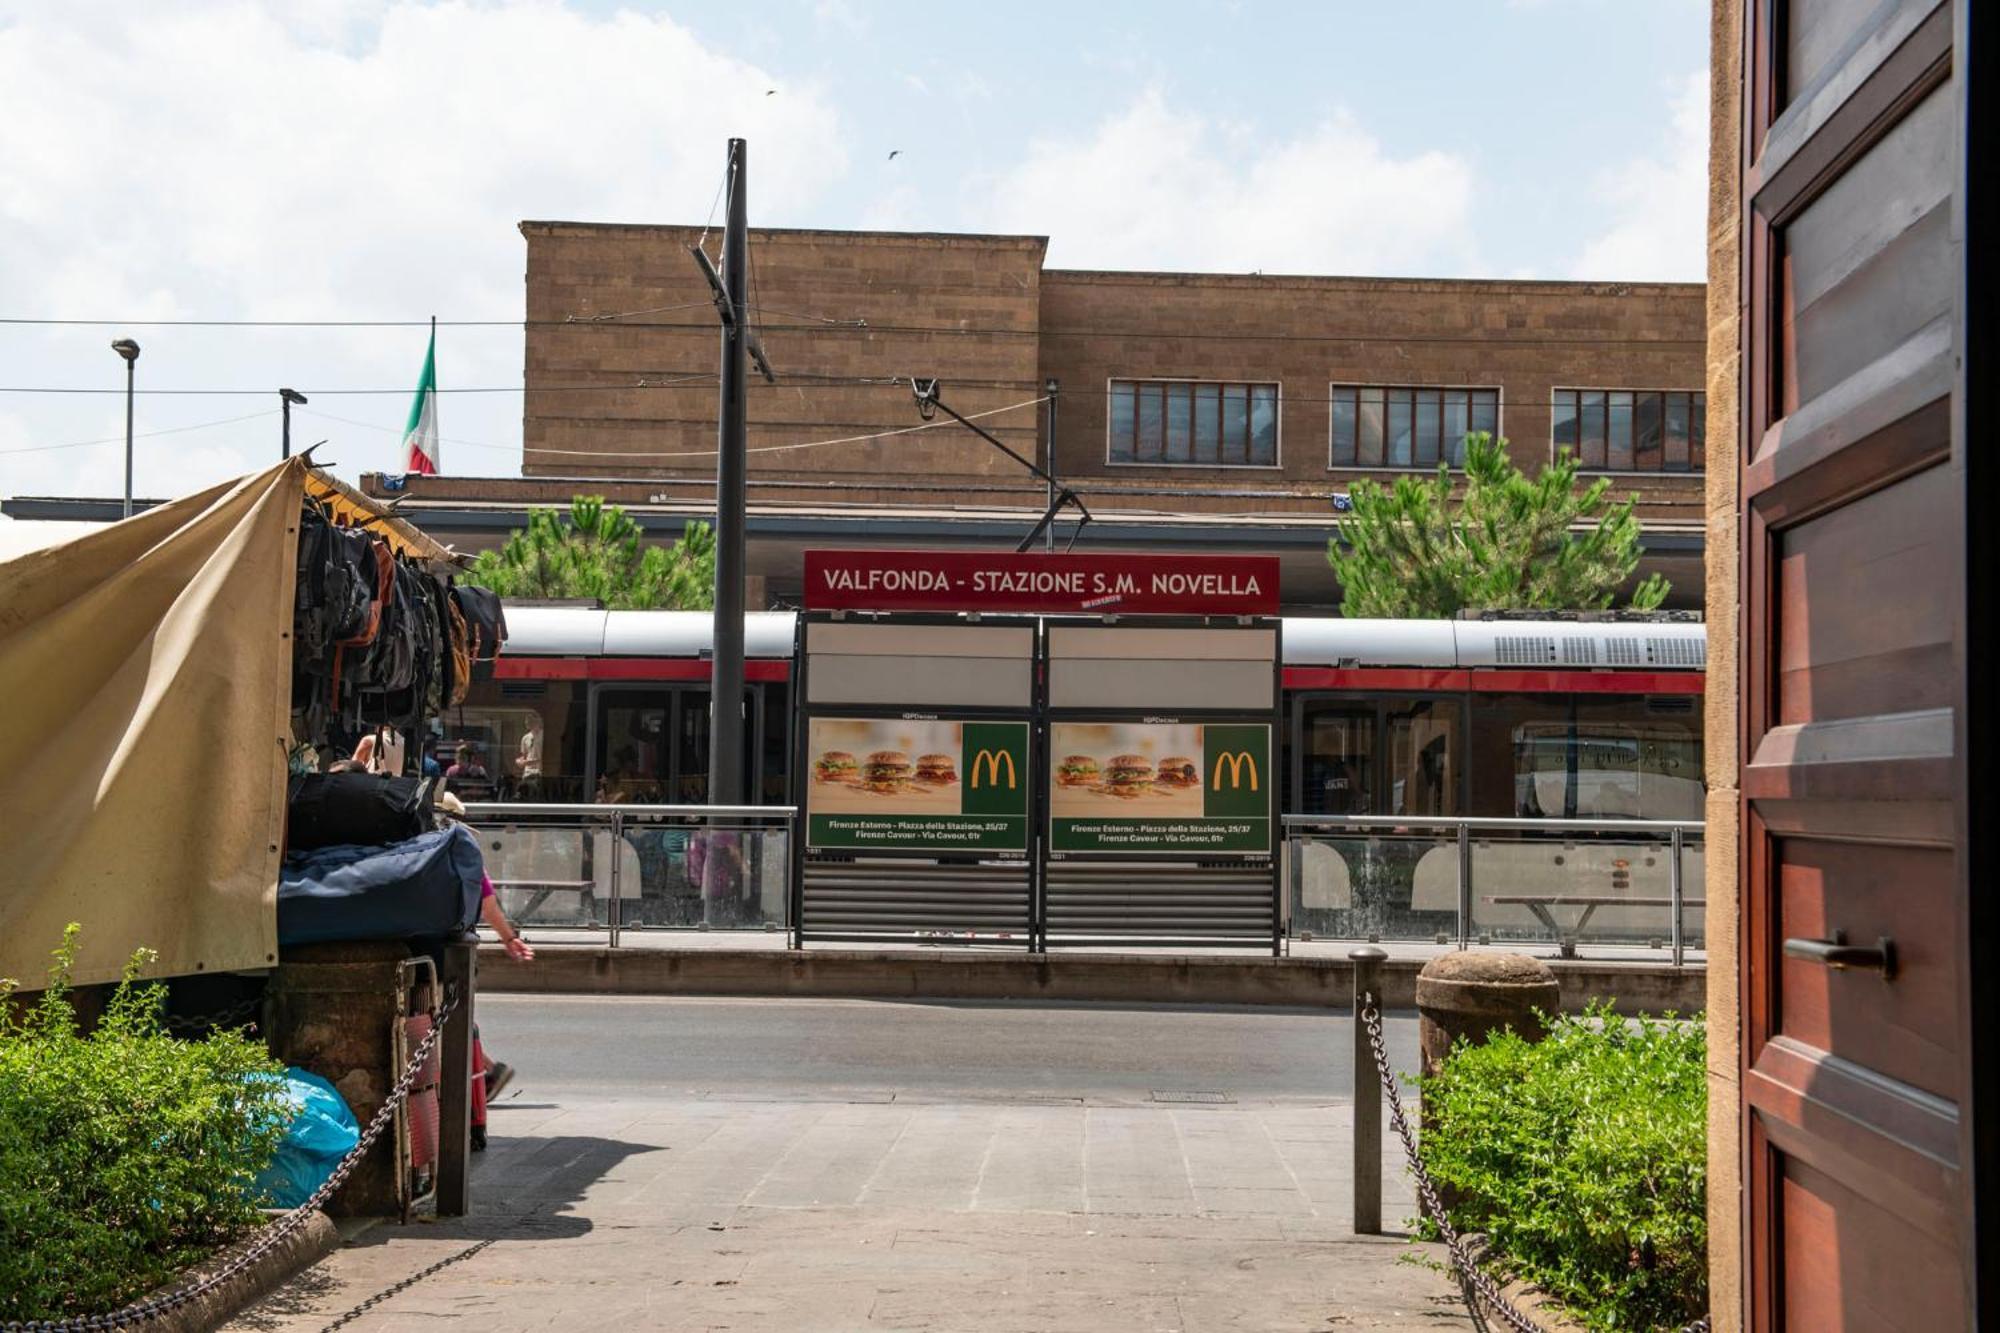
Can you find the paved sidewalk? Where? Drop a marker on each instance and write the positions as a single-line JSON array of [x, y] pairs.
[[877, 1211]]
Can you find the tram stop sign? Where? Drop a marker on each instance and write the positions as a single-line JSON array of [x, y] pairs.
[[1042, 583]]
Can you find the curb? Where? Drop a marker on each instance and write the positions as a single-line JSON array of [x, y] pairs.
[[1128, 978], [300, 1251]]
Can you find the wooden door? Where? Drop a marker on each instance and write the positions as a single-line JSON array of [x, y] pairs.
[[1857, 1018]]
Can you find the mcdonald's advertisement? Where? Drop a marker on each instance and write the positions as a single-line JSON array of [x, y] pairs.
[[924, 786], [1158, 787]]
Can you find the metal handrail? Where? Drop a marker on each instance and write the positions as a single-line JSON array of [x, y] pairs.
[[545, 809], [1674, 832], [1495, 824]]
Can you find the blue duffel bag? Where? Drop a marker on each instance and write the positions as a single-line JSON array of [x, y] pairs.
[[319, 1131], [425, 887]]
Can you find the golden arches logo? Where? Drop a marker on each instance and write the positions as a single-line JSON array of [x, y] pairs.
[[990, 762], [1237, 760]]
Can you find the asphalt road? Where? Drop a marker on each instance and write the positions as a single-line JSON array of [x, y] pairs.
[[622, 1046]]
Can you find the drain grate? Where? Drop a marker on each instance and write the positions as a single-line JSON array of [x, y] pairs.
[[1193, 1098]]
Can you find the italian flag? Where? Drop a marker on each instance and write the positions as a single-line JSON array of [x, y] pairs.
[[420, 435]]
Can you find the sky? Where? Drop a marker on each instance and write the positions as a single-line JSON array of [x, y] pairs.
[[367, 162]]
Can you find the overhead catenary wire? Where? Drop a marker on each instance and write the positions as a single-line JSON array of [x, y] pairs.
[[141, 435]]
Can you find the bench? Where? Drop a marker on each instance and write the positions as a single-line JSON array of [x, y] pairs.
[[1540, 904]]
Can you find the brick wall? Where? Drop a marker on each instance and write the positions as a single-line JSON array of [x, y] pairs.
[[617, 314], [901, 304], [1523, 338]]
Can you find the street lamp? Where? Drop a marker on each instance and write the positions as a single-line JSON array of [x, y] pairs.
[[288, 397], [128, 349]]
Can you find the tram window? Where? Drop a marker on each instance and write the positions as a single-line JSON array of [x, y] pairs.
[[776, 771], [1337, 758], [1498, 787], [1615, 761], [1424, 746], [498, 717], [691, 749], [632, 749]]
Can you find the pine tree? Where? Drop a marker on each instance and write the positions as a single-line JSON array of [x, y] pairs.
[[596, 551], [1505, 544]]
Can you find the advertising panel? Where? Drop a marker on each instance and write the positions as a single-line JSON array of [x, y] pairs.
[[917, 785], [1160, 787], [1037, 582]]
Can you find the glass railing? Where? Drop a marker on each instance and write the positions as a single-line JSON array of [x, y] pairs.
[[623, 868], [1574, 884]]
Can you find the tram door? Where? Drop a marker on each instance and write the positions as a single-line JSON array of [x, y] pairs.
[[649, 744]]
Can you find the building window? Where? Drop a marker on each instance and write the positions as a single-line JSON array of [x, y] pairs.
[[1380, 426], [1631, 430], [1187, 423]]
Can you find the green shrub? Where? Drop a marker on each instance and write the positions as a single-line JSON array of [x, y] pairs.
[[1583, 1157], [125, 1155]]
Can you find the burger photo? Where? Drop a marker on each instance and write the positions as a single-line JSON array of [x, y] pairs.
[[1130, 776], [1077, 770], [1177, 770], [936, 770], [887, 771], [837, 766]]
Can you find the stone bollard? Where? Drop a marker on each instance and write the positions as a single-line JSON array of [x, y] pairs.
[[1470, 994]]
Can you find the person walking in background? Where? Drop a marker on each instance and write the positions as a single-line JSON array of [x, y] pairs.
[[528, 759], [489, 1076], [381, 751]]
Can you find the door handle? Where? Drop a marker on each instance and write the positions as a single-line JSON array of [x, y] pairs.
[[1837, 953]]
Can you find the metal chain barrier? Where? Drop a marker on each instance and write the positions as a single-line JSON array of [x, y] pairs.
[[1479, 1288], [245, 1014], [408, 1282], [249, 1252]]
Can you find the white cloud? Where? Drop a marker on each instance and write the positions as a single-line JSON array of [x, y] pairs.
[[1154, 187], [1660, 201], [360, 159]]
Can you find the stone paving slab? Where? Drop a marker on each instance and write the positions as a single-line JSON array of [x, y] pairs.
[[824, 1215]]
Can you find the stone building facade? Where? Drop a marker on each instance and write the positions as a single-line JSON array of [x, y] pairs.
[[1210, 411]]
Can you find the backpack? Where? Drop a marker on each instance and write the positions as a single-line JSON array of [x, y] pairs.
[[361, 809], [484, 618], [391, 665], [376, 571], [460, 651]]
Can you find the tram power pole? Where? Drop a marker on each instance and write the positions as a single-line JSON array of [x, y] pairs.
[[725, 731], [929, 395]]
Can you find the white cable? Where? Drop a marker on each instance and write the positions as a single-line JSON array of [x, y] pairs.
[[640, 458]]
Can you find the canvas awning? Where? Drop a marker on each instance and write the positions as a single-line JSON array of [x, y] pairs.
[[145, 708]]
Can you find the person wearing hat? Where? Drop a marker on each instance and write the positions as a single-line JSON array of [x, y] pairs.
[[489, 904]]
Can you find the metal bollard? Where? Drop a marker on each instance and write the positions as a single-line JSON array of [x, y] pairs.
[[1367, 1095]]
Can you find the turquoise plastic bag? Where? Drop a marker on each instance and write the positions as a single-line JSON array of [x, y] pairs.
[[321, 1132]]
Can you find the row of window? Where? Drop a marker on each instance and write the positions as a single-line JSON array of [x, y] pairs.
[[1169, 421], [1178, 423]]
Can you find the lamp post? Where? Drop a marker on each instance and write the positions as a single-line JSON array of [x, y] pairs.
[[128, 349], [288, 397]]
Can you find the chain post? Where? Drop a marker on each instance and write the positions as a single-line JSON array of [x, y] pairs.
[[1674, 891], [615, 914], [1464, 886], [1367, 962]]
